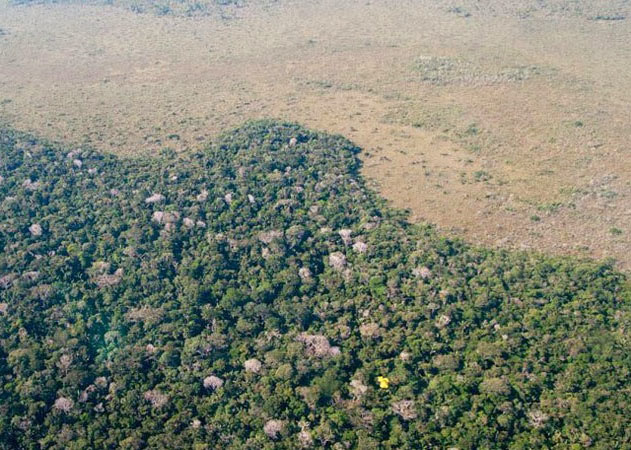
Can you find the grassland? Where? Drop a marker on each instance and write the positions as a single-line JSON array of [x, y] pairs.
[[504, 122]]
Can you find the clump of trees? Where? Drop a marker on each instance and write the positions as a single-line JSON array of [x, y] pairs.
[[126, 322]]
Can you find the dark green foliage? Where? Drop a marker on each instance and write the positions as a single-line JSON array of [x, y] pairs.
[[113, 318]]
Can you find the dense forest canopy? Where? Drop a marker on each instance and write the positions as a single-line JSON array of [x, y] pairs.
[[258, 295]]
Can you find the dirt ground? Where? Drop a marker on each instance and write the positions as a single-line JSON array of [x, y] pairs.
[[507, 126]]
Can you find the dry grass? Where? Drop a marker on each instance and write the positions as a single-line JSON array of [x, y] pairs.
[[505, 122]]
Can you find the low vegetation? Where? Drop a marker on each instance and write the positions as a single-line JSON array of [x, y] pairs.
[[443, 71], [258, 295], [605, 10], [472, 113], [184, 8]]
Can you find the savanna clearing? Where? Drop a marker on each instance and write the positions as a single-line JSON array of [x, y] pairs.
[[505, 124]]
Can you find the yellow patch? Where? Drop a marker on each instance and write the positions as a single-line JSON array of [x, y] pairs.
[[384, 382]]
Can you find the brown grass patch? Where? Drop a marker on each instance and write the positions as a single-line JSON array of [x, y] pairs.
[[505, 124]]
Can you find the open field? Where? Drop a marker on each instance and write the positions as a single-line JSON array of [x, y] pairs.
[[506, 125]]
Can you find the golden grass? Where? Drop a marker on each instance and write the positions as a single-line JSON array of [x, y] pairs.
[[509, 126]]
